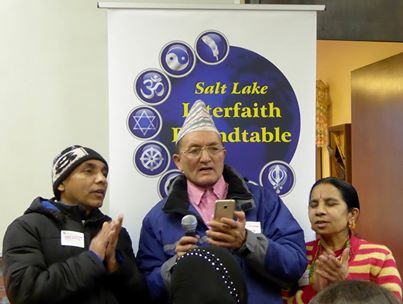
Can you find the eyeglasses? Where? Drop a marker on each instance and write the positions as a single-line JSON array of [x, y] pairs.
[[195, 152]]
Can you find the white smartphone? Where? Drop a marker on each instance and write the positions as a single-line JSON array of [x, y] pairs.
[[224, 208]]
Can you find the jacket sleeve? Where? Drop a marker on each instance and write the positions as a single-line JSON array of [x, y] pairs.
[[127, 282], [279, 253], [151, 257], [28, 279]]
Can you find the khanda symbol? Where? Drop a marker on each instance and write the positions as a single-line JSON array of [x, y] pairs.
[[277, 177]]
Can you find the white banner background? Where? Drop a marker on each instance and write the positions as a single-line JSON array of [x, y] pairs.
[[285, 35]]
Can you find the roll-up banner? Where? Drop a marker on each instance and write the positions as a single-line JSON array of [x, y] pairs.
[[253, 65]]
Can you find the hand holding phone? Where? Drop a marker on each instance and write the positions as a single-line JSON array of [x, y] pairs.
[[224, 208]]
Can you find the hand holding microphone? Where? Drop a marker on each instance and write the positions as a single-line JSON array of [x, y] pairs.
[[190, 239], [189, 224]]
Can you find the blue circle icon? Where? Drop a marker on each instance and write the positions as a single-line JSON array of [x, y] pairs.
[[144, 122], [151, 158], [152, 87], [165, 181], [279, 176], [212, 47], [177, 59]]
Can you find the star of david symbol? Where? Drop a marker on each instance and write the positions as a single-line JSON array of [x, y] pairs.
[[144, 122]]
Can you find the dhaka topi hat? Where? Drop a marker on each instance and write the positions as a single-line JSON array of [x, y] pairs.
[[69, 159], [199, 119]]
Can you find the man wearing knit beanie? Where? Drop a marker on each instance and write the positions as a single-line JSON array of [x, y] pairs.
[[64, 249], [69, 159]]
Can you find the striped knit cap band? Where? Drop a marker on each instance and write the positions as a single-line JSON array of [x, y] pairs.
[[198, 119]]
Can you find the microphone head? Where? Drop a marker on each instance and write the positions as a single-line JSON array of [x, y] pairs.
[[189, 224]]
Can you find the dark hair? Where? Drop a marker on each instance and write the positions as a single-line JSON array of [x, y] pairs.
[[215, 273], [347, 191], [354, 292]]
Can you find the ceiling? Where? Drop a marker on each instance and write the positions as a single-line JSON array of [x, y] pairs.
[[356, 20]]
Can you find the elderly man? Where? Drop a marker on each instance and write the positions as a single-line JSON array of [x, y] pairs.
[[262, 235], [65, 250]]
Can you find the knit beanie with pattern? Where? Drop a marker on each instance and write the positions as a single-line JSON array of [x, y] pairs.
[[69, 159]]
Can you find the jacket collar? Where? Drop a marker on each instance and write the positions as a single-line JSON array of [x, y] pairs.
[[58, 211], [178, 201]]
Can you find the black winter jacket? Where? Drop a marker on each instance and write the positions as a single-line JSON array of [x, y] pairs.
[[38, 269]]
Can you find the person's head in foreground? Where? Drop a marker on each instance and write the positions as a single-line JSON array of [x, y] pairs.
[[208, 275], [354, 292], [79, 177]]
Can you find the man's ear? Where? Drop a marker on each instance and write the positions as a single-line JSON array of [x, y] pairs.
[[177, 160], [60, 188], [355, 213]]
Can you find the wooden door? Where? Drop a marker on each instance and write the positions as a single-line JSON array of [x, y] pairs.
[[377, 151]]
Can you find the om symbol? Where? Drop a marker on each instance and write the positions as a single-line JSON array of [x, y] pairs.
[[153, 86]]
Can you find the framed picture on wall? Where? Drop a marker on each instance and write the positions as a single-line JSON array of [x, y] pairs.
[[340, 151]]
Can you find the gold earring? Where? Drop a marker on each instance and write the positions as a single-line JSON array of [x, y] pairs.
[[351, 225]]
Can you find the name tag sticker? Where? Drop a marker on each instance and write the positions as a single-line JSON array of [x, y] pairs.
[[254, 227], [72, 238]]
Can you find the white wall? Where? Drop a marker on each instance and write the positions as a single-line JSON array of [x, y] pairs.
[[53, 92]]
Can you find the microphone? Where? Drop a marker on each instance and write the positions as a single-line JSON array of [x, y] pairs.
[[189, 224]]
